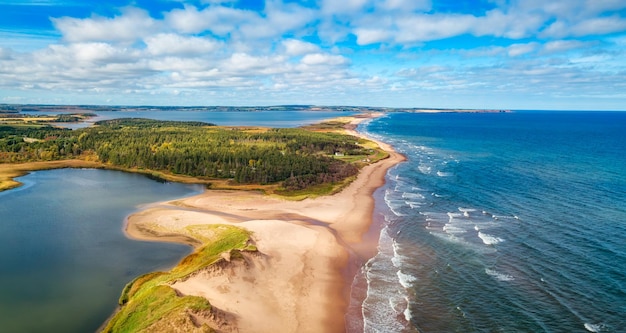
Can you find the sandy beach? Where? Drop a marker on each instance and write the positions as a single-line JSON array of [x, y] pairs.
[[298, 281]]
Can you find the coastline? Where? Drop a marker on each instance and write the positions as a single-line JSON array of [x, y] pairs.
[[300, 279]]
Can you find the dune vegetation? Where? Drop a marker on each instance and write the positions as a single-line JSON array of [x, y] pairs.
[[149, 304]]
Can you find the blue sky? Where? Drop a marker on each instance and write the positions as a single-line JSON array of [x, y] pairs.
[[500, 54]]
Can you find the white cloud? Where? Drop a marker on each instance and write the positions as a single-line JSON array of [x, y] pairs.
[[365, 36], [521, 49], [250, 65], [586, 27], [563, 45], [323, 59], [404, 5], [343, 6], [420, 28], [599, 26], [218, 49], [600, 6], [234, 23], [5, 54], [219, 20], [130, 26], [296, 47], [169, 44]]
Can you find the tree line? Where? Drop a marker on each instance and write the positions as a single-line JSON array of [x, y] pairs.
[[298, 158]]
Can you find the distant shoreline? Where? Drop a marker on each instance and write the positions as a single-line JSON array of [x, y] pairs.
[[15, 108], [298, 283]]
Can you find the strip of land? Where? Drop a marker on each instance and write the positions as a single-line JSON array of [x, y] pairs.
[[296, 282]]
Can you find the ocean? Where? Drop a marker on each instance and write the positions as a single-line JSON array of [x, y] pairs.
[[501, 222]]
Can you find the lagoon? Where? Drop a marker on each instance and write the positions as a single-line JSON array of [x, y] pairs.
[[63, 253], [281, 119]]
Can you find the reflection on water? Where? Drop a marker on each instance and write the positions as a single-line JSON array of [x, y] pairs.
[[63, 253]]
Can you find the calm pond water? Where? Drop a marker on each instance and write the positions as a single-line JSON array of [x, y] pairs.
[[282, 119], [63, 253]]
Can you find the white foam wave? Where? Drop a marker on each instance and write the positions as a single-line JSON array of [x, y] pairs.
[[407, 314], [489, 239], [414, 204], [595, 327], [451, 229], [504, 217], [466, 211], [424, 169], [452, 238], [385, 298], [499, 276], [444, 174], [454, 215], [406, 280], [415, 196], [394, 206]]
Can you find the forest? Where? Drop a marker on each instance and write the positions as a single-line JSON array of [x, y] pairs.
[[293, 157]]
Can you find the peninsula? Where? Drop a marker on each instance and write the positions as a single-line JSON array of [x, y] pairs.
[[291, 275], [271, 254]]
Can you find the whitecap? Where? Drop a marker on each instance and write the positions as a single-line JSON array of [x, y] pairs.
[[454, 215], [408, 195], [499, 276], [497, 217], [595, 327], [406, 280], [489, 239], [444, 174], [451, 229], [407, 314], [424, 169], [414, 204]]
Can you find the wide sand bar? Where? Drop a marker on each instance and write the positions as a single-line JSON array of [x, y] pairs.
[[297, 283]]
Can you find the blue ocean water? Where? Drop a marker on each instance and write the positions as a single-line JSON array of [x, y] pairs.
[[501, 222]]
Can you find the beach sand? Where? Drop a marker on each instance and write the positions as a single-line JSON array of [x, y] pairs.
[[299, 280]]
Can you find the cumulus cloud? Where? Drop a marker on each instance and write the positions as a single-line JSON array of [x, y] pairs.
[[297, 47], [317, 59], [325, 48], [128, 27], [521, 49], [563, 45], [168, 44], [218, 20]]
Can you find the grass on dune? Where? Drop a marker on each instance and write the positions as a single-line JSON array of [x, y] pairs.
[[148, 303]]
